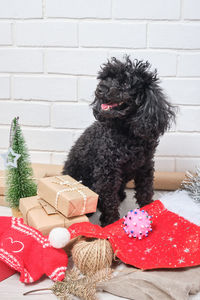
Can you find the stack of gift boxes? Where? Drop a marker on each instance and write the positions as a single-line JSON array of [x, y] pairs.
[[61, 202]]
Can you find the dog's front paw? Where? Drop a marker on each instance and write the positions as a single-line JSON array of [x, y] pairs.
[[143, 202], [109, 219]]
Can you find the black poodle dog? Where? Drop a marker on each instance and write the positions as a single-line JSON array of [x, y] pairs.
[[131, 112]]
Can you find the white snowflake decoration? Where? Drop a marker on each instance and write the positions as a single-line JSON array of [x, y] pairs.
[[7, 159]]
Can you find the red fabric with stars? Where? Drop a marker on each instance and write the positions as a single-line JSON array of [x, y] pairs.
[[27, 251], [173, 242]]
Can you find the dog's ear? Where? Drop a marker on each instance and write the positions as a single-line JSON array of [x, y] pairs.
[[154, 115]]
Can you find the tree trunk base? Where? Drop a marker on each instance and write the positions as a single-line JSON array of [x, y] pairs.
[[16, 213]]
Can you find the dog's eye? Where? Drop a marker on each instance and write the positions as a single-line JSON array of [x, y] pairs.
[[102, 89]]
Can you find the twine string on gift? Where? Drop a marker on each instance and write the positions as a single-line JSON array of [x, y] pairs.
[[39, 206], [64, 219], [72, 187], [64, 182], [28, 211]]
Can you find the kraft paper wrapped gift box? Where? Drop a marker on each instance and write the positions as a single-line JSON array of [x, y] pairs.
[[35, 215], [68, 196]]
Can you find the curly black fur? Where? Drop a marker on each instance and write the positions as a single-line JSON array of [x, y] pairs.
[[120, 145]]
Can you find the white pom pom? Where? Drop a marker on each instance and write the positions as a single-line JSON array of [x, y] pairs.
[[59, 237]]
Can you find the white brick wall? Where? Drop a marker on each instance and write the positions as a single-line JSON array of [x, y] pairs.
[[145, 9], [189, 119], [86, 88], [49, 139], [112, 34], [32, 114], [5, 87], [183, 91], [25, 9], [48, 88], [68, 116], [46, 34], [174, 35], [188, 65], [50, 53], [5, 33], [78, 9], [15, 60], [191, 9], [75, 62]]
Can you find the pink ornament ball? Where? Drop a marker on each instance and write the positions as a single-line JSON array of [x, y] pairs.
[[137, 223]]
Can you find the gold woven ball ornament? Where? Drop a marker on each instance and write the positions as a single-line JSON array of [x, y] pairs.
[[92, 255]]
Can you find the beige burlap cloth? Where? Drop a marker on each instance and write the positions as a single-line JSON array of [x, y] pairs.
[[162, 284]]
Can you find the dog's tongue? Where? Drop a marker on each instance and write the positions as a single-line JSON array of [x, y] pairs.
[[108, 106]]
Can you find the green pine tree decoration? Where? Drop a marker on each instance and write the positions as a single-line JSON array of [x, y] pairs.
[[192, 184], [19, 179]]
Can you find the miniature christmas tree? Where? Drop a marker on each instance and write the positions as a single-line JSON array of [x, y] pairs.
[[192, 185], [19, 181]]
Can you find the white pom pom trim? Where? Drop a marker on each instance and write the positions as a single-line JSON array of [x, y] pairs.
[[59, 237], [181, 203]]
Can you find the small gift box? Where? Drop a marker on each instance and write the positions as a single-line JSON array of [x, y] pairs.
[[2, 183], [36, 216], [68, 196]]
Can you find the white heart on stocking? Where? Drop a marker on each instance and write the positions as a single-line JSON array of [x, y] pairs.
[[16, 245]]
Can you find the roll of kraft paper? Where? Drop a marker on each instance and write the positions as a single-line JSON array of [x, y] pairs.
[[169, 181]]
